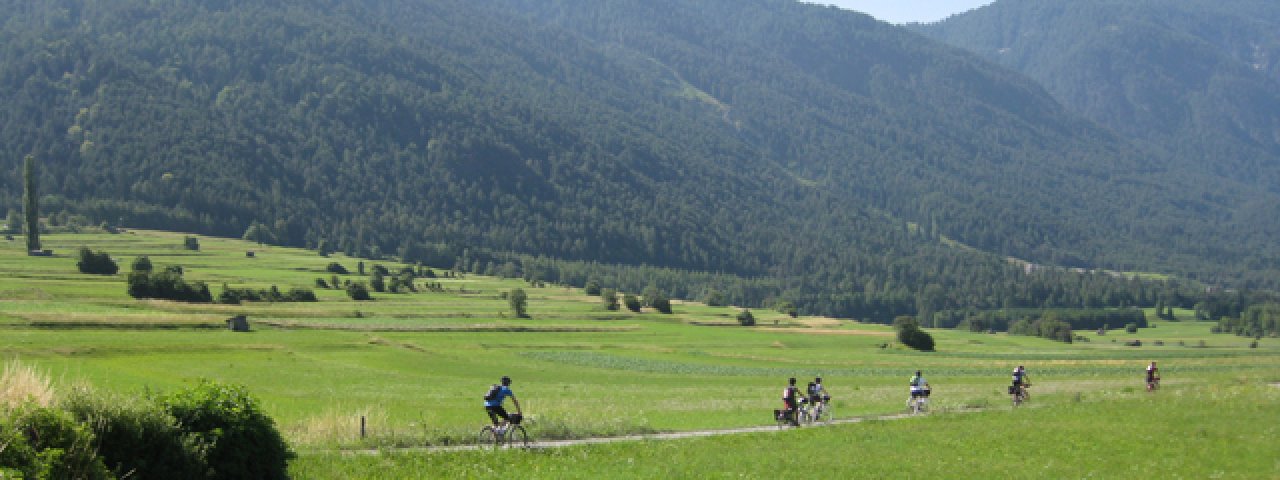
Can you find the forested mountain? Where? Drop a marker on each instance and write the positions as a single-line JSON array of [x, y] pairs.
[[783, 150], [1196, 82]]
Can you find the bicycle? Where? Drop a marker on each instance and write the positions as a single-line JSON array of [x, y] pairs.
[[822, 412], [510, 435], [1019, 394], [1153, 384], [788, 417], [918, 404]]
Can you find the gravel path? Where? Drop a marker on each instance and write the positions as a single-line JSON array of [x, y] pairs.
[[639, 438]]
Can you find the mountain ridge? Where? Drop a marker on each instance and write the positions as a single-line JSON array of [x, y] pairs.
[[466, 132]]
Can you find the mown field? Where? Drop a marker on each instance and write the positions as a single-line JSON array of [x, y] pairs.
[[415, 366]]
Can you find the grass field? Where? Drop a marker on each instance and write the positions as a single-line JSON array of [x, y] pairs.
[[415, 366]]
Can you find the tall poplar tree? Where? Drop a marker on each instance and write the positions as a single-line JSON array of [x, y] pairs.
[[30, 204]]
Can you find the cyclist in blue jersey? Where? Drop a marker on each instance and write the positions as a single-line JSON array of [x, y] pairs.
[[493, 403]]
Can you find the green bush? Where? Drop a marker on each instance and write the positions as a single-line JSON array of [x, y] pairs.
[[96, 263], [631, 302], [916, 338], [357, 291], [191, 243], [1131, 328], [138, 438], [17, 458], [63, 448], [242, 441], [746, 319]]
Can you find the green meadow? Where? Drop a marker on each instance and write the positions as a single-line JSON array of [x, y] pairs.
[[415, 366]]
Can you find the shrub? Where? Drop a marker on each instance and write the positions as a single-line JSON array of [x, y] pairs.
[[610, 299], [191, 243], [746, 319], [138, 438], [96, 263], [662, 304], [592, 288], [142, 264], [320, 283], [63, 448], [917, 339], [716, 298], [1131, 328], [357, 291], [336, 268], [242, 441], [167, 285], [17, 458], [910, 334], [631, 302]]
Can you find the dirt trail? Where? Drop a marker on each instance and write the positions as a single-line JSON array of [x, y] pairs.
[[652, 436]]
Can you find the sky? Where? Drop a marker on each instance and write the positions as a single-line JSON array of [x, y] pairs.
[[903, 11]]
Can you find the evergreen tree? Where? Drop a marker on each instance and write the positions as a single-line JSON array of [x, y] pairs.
[[519, 302], [31, 203]]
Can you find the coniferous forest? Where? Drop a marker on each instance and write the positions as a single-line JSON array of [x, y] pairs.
[[764, 151]]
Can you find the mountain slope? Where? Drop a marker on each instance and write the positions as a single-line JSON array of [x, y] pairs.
[[810, 146], [1197, 81]]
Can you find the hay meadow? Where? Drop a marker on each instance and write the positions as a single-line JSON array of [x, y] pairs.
[[414, 366]]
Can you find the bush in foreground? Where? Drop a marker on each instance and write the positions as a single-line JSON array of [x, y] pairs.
[[138, 438], [242, 441]]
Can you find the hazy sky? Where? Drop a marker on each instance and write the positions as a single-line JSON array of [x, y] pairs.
[[903, 11]]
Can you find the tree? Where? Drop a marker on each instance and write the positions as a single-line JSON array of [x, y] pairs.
[[910, 334], [787, 308], [377, 282], [662, 304], [715, 298], [610, 299], [258, 233], [593, 288], [31, 203], [358, 292], [650, 295], [746, 319], [519, 302], [14, 222], [631, 302], [96, 263], [142, 264]]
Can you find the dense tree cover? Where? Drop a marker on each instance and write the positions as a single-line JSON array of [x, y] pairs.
[[1026, 321], [167, 285], [765, 149], [1257, 320], [1196, 83]]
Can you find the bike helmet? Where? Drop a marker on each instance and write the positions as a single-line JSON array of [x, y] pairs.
[[506, 381]]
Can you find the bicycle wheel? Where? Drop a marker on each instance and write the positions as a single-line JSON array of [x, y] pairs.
[[826, 415], [487, 438], [517, 437]]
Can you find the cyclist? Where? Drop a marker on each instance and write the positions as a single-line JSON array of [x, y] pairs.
[[1020, 381], [493, 404], [1153, 377], [818, 395], [791, 399], [919, 388]]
